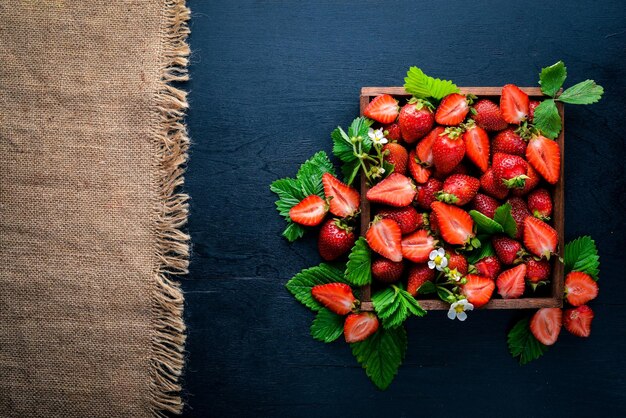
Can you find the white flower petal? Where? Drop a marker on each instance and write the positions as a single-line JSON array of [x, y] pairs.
[[431, 264], [383, 141], [441, 251], [469, 307], [451, 313], [462, 316], [444, 262], [439, 267], [432, 254]]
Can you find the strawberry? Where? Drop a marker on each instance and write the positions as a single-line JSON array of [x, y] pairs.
[[520, 212], [424, 149], [484, 204], [537, 271], [531, 182], [455, 224], [531, 109], [459, 189], [578, 320], [580, 288], [419, 172], [488, 266], [511, 282], [344, 200], [418, 275], [392, 132], [383, 109], [417, 246], [546, 325], [448, 150], [387, 271], [335, 239], [493, 188], [337, 297], [478, 289], [310, 211], [539, 237], [359, 326], [459, 169], [510, 170], [407, 218], [452, 110], [426, 192], [508, 250], [487, 115], [416, 120], [540, 204], [514, 104], [545, 156], [396, 190], [384, 237], [457, 261], [509, 142], [397, 155], [433, 224], [477, 145]]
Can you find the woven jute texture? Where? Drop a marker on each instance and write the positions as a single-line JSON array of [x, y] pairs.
[[92, 145]]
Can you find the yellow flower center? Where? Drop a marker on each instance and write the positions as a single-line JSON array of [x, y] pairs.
[[438, 259], [459, 308]]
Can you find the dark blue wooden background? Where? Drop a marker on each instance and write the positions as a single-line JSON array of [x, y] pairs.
[[270, 80]]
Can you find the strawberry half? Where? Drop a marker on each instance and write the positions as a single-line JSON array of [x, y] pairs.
[[359, 326], [459, 189], [448, 150], [344, 200], [511, 282], [452, 110], [580, 288], [477, 146], [539, 237], [488, 267], [514, 104], [396, 190], [383, 109], [337, 297], [418, 275], [478, 290], [424, 149], [545, 156], [417, 246], [416, 120], [578, 321], [488, 116], [407, 218], [397, 155], [310, 211], [387, 271], [384, 237], [531, 109], [546, 325], [419, 173], [456, 225]]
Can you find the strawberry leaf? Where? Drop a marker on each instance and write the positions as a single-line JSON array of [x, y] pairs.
[[422, 86], [585, 92], [547, 119], [342, 147], [394, 305], [359, 128], [350, 171], [427, 288], [485, 224], [523, 343], [381, 355], [551, 78], [302, 283], [359, 266], [581, 254], [327, 326], [311, 172], [504, 217], [485, 250]]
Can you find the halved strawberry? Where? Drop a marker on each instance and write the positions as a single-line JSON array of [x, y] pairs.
[[344, 200], [397, 155], [417, 246], [455, 224], [419, 173], [539, 237], [578, 320], [418, 275], [580, 288], [424, 149], [514, 104], [511, 282], [310, 211], [452, 110], [478, 289], [383, 109], [337, 297], [531, 109], [359, 326], [545, 156], [488, 266], [546, 325], [477, 146], [396, 190], [384, 237]]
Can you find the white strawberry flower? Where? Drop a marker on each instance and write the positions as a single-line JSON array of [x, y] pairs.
[[438, 259], [458, 308], [454, 275], [377, 136]]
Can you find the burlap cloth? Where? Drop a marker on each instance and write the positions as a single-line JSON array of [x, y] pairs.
[[91, 147]]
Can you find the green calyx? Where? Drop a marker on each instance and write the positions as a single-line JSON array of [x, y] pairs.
[[471, 244], [446, 197], [517, 182], [421, 104], [452, 132], [342, 224], [535, 285], [538, 215]]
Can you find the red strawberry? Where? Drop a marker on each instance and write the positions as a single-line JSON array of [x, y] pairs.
[[448, 150], [508, 250], [539, 237], [484, 204], [520, 212], [424, 149], [383, 109], [487, 115], [392, 132], [537, 271], [514, 104], [531, 182], [508, 142], [540, 204], [416, 120], [337, 297], [580, 288], [418, 275], [310, 211], [433, 225], [397, 155], [426, 192], [359, 326], [387, 271], [531, 109], [545, 156], [578, 321], [477, 146], [384, 237], [459, 169], [457, 261], [417, 246], [336, 239], [459, 189], [419, 173], [511, 282], [396, 190], [546, 325], [510, 170], [344, 200], [493, 188], [452, 110], [407, 218], [455, 224], [488, 266], [477, 289]]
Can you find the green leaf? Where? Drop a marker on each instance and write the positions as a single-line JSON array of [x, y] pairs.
[[342, 147], [581, 254], [444, 296], [388, 167], [585, 92], [381, 355], [483, 251], [504, 217], [485, 224], [394, 305], [360, 127], [523, 343], [293, 231], [311, 172], [551, 78], [422, 86], [302, 283], [350, 171], [547, 119], [427, 288], [359, 266], [327, 326]]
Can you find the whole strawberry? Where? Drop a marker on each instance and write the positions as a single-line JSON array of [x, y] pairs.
[[531, 182], [487, 115], [397, 155], [540, 204], [484, 204], [510, 170], [491, 186], [537, 271], [509, 142], [448, 150], [531, 109], [508, 250], [416, 120], [488, 267], [387, 271], [459, 189], [456, 261], [520, 212], [393, 132], [433, 223], [336, 238], [407, 218], [418, 275], [426, 192]]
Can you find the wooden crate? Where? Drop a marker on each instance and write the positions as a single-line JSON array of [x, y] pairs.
[[555, 297]]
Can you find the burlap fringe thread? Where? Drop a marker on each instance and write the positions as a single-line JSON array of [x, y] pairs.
[[168, 339]]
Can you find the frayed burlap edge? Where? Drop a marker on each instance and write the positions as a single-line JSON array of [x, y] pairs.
[[172, 142]]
